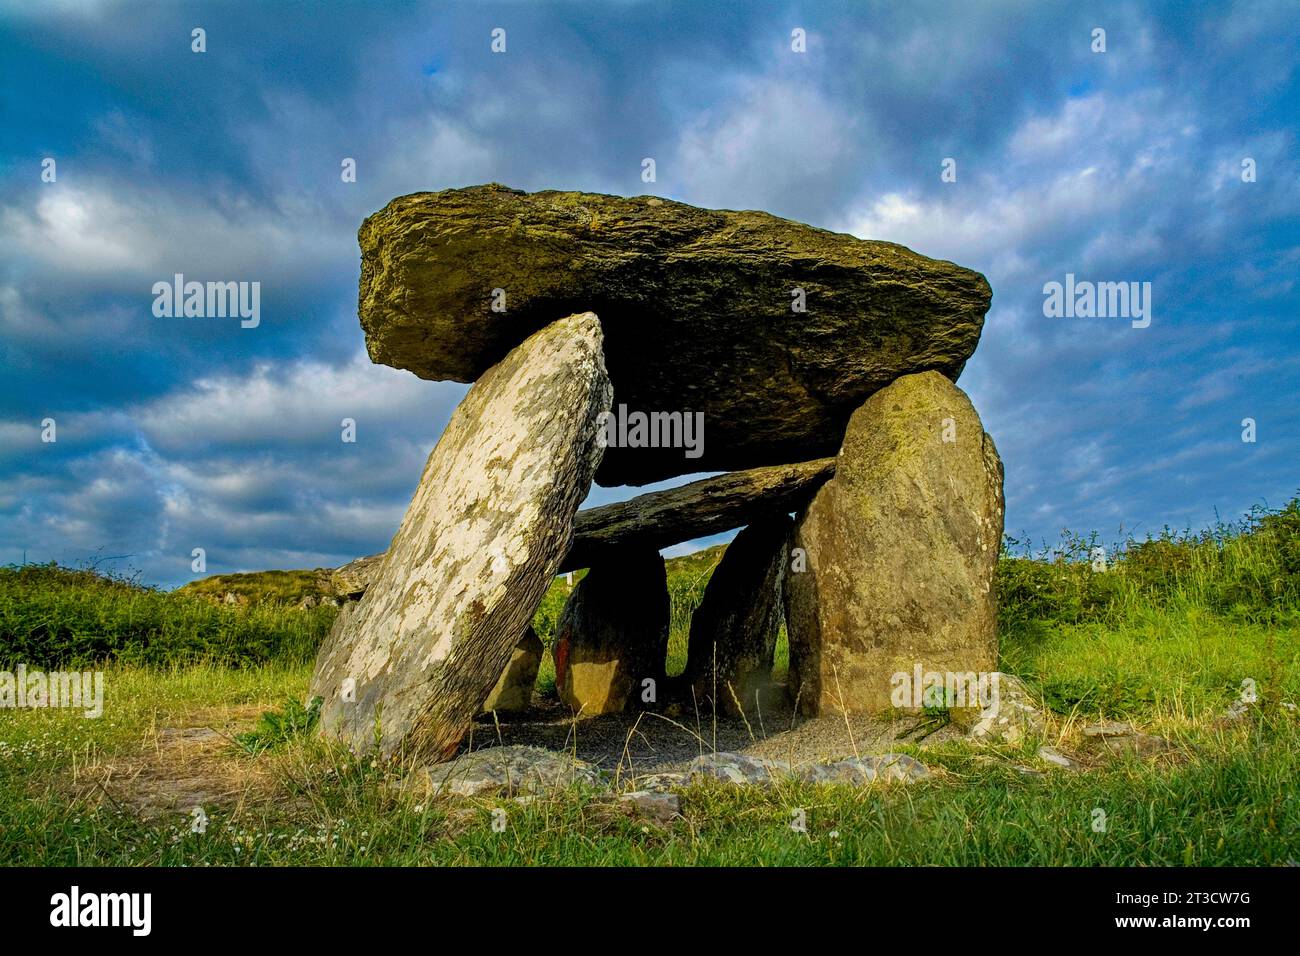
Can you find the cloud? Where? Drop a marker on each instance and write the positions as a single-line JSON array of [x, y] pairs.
[[124, 237], [753, 150], [182, 433], [251, 467]]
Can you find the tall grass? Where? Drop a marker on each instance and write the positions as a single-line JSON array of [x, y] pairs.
[[56, 617], [1245, 571]]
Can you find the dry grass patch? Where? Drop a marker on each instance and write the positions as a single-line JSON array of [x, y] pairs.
[[194, 764]]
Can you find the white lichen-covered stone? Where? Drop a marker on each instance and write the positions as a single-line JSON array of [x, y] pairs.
[[742, 769], [490, 522], [1011, 716], [510, 770], [876, 768]]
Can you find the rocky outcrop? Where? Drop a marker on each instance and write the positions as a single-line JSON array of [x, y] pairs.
[[700, 309], [612, 635], [353, 578], [734, 629], [491, 520], [900, 548], [513, 692]]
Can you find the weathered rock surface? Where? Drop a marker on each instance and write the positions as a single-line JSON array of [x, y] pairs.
[[524, 771], [655, 806], [901, 547], [1125, 738], [353, 578], [513, 692], [858, 771], [1053, 756], [483, 537], [661, 782], [662, 518], [701, 508], [696, 305], [509, 771], [737, 768], [1011, 716], [734, 629], [613, 633]]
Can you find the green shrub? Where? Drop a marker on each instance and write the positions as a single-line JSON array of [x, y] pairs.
[[56, 617], [1247, 571]]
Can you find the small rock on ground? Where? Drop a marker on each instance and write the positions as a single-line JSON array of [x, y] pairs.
[[744, 769], [1052, 755], [512, 770], [1011, 716], [659, 807]]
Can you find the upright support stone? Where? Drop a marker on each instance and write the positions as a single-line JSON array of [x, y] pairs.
[[513, 692], [411, 665], [734, 630], [900, 546], [612, 635]]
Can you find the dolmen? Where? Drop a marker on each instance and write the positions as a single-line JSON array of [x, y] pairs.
[[627, 341]]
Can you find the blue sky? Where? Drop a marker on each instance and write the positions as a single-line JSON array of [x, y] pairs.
[[178, 433]]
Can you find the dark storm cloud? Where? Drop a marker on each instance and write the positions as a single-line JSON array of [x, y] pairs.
[[178, 433]]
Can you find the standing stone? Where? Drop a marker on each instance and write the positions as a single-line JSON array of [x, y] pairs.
[[613, 633], [736, 625], [513, 693], [900, 547], [701, 311], [483, 537]]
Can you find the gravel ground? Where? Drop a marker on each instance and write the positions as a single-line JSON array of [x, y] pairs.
[[653, 743]]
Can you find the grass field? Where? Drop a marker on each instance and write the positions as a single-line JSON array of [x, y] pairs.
[[1163, 637]]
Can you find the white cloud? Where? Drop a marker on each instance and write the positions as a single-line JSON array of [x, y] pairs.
[[294, 403], [770, 136], [123, 235]]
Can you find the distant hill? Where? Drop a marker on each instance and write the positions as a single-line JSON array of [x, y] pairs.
[[324, 586], [317, 586]]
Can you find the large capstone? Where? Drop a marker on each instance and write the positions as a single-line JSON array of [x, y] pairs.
[[898, 552], [773, 330], [410, 666]]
